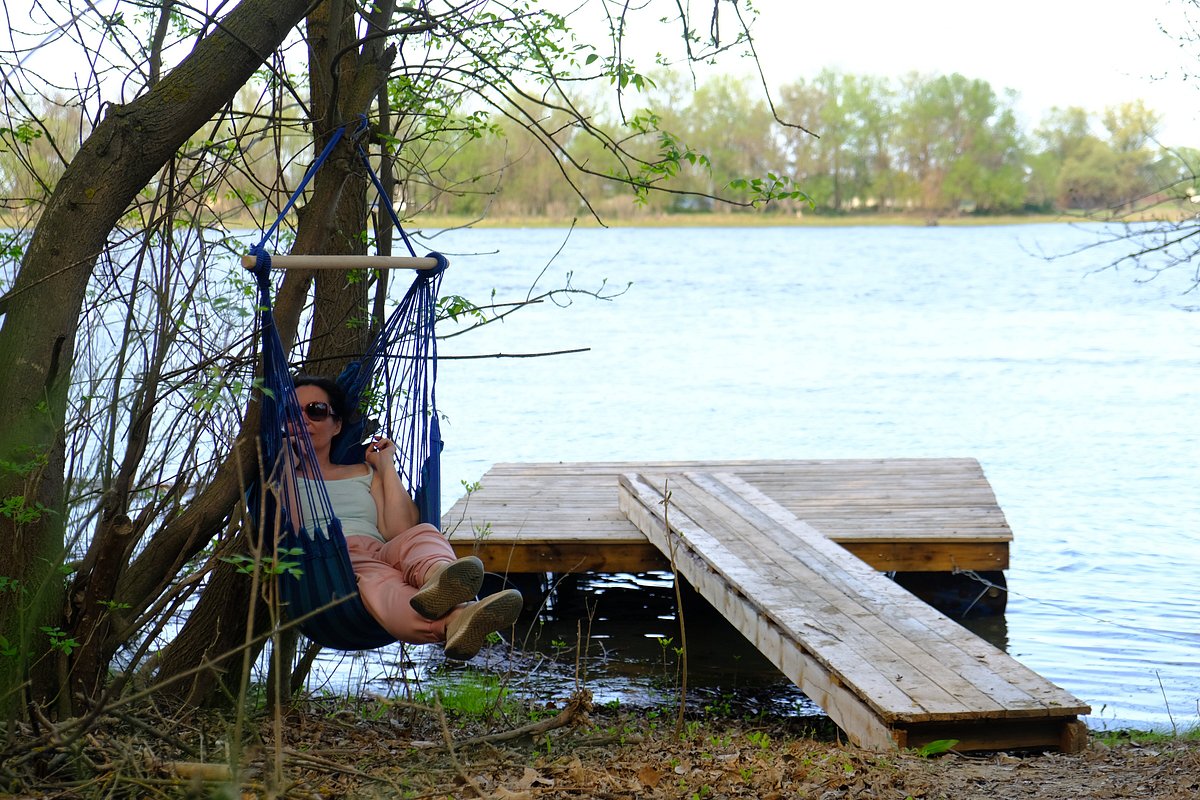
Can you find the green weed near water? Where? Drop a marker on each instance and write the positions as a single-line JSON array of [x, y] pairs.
[[473, 694], [1152, 737]]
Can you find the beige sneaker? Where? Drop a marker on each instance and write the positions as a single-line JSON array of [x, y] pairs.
[[467, 632], [454, 583]]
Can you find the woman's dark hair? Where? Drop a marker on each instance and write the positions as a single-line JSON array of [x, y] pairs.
[[338, 402]]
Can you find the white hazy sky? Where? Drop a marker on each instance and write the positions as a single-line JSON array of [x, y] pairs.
[[1087, 53]]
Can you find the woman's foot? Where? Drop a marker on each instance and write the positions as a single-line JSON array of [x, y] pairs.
[[468, 629], [449, 585]]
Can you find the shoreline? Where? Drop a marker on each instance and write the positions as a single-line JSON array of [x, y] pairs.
[[717, 220], [772, 220]]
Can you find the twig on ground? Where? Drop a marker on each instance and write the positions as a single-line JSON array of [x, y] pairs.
[[576, 711], [146, 727], [449, 740]]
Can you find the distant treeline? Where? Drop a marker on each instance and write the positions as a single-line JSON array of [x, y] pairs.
[[928, 145], [931, 144]]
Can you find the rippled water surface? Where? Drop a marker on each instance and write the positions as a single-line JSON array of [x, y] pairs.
[[1075, 387]]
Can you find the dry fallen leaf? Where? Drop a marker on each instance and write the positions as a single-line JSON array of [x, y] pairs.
[[649, 776], [504, 794]]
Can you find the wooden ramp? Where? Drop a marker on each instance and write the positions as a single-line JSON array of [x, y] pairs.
[[887, 668], [907, 515]]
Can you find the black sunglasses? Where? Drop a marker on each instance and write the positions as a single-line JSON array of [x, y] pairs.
[[318, 411]]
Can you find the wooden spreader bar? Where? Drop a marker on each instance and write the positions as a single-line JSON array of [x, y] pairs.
[[887, 668], [344, 262]]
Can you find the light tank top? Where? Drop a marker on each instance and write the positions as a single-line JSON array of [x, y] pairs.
[[353, 504]]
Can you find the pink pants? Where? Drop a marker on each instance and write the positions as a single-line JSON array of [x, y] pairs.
[[390, 573]]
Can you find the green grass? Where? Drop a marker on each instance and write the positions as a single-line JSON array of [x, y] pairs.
[[1189, 733], [470, 694]]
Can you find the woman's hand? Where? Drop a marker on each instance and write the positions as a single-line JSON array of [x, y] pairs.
[[293, 452], [381, 452], [397, 512]]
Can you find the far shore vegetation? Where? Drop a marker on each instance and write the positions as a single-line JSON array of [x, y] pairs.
[[1172, 212], [862, 150]]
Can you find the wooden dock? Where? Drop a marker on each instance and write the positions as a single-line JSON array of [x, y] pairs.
[[907, 515], [790, 553]]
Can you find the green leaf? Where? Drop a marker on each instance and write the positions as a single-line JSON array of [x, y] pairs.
[[7, 648], [937, 747]]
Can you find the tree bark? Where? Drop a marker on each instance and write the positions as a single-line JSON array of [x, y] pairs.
[[203, 665], [42, 310]]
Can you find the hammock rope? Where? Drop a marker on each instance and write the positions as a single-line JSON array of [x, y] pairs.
[[391, 389]]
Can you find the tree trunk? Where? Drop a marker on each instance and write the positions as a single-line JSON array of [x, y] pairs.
[[203, 665], [42, 311]]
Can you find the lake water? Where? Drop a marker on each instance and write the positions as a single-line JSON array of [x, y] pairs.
[[1075, 387]]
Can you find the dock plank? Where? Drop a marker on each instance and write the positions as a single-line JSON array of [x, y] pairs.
[[946, 654], [839, 627], [815, 567]]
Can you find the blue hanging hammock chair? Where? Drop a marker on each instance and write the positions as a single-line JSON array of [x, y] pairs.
[[390, 389]]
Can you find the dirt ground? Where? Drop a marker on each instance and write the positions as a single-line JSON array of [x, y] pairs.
[[804, 769], [393, 750], [620, 760]]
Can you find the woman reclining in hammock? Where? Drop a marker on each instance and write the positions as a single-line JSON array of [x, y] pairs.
[[408, 576]]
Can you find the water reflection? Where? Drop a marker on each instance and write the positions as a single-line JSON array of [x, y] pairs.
[[623, 632], [618, 636]]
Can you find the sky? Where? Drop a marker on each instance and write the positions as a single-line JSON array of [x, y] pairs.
[[1087, 53]]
